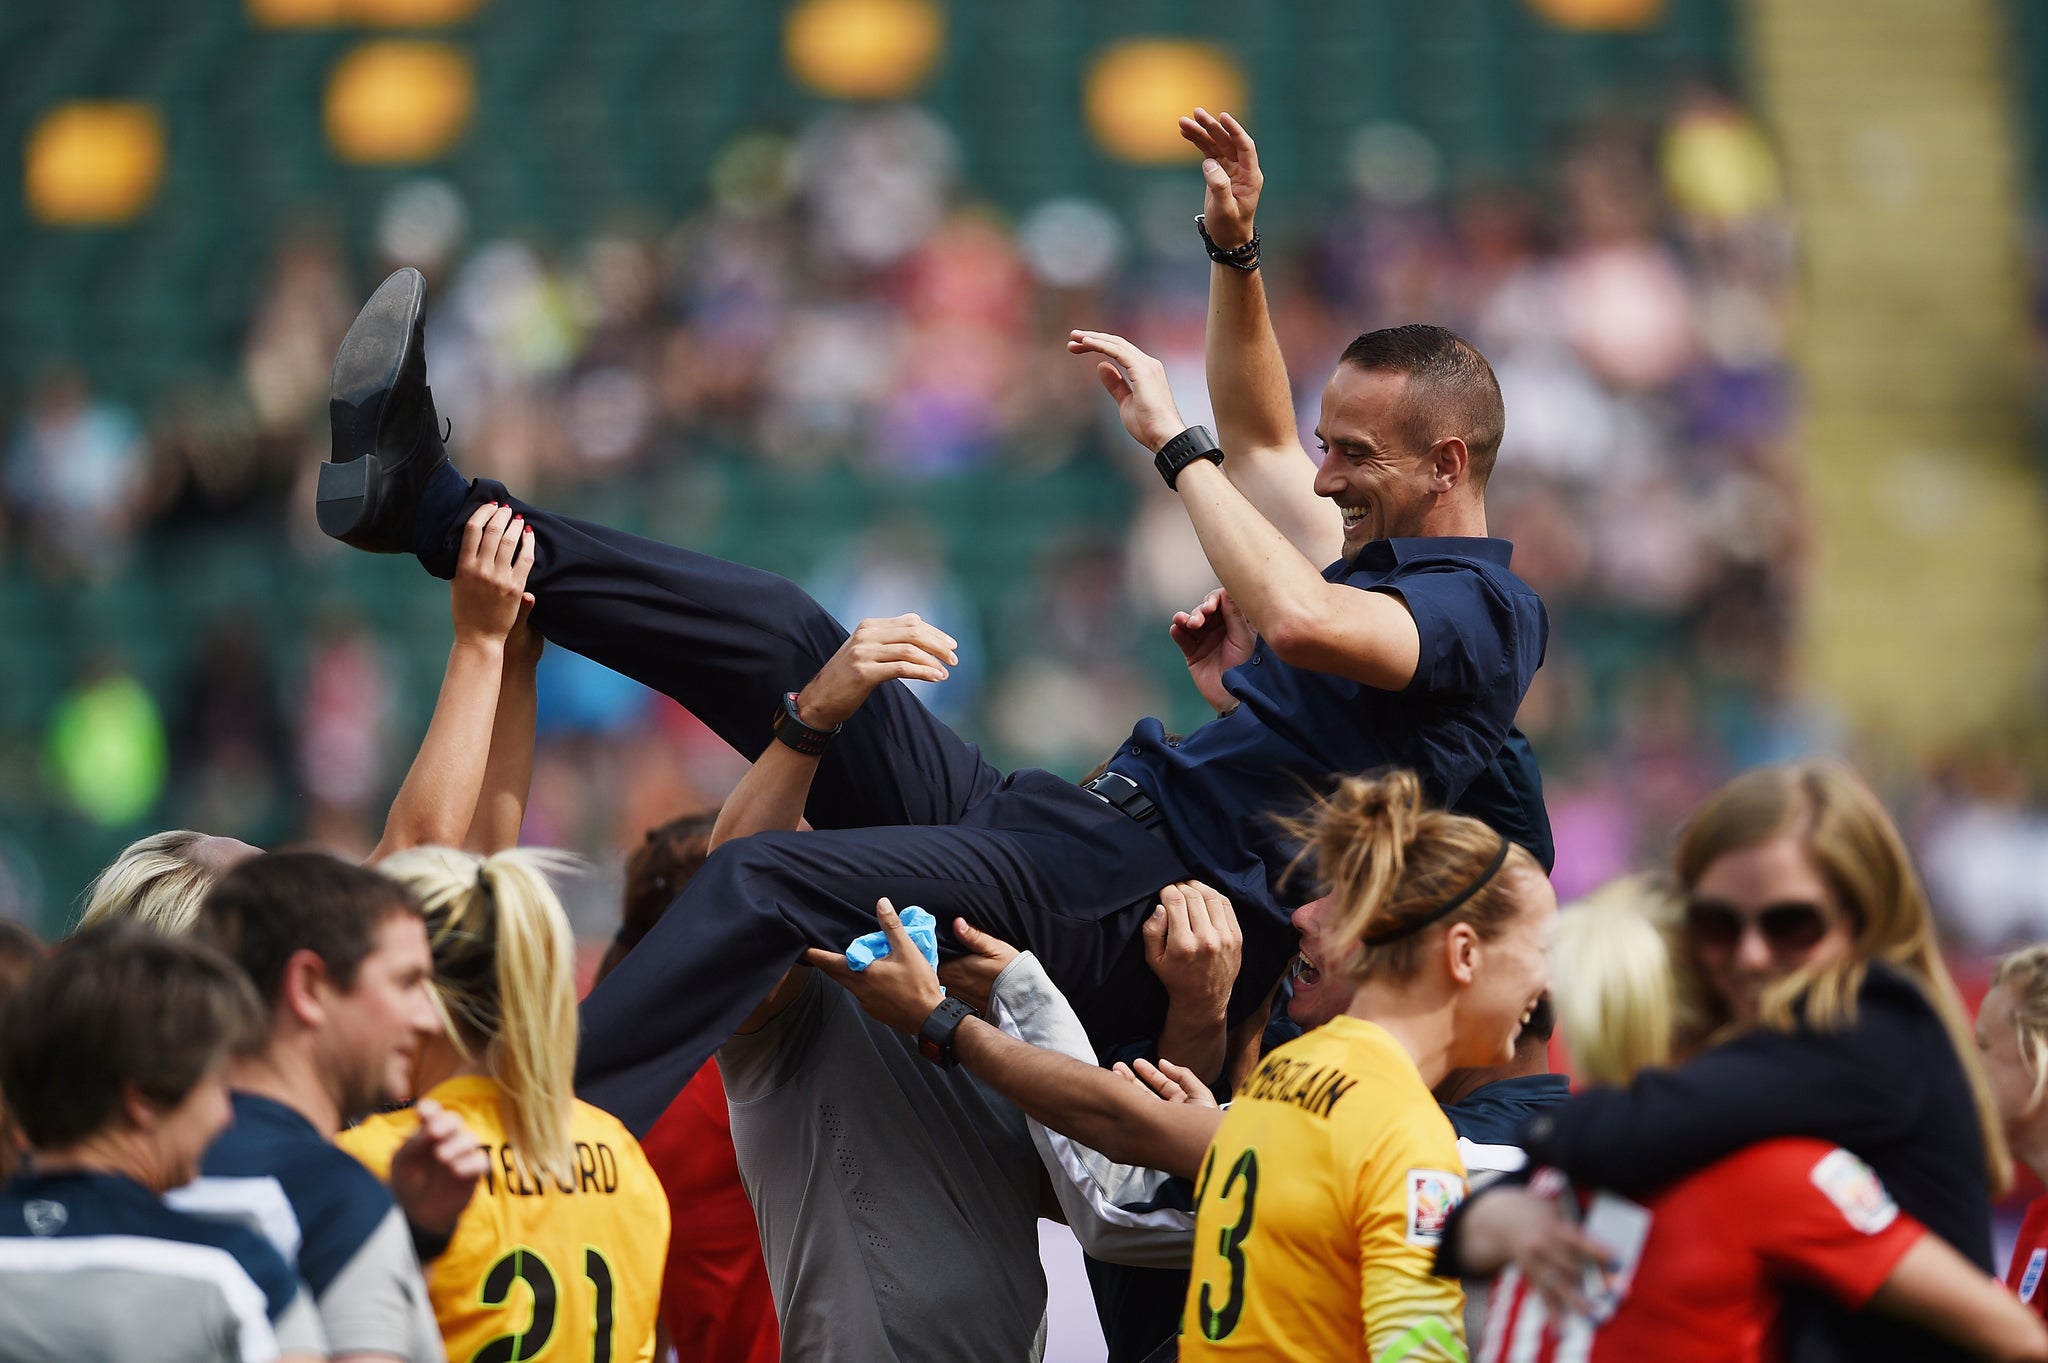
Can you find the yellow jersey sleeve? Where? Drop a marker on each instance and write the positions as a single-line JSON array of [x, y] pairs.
[[1406, 1189]]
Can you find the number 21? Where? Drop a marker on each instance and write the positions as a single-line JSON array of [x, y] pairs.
[[527, 1265]]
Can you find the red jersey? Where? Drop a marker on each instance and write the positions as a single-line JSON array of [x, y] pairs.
[[1705, 1286], [714, 1295], [2030, 1257]]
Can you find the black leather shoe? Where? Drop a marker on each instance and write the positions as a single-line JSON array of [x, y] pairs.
[[387, 437]]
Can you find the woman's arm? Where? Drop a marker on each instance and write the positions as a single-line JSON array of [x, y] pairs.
[[1095, 1107], [1856, 1087], [508, 773], [1940, 1290], [437, 803]]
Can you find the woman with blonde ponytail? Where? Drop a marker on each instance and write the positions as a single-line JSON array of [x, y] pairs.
[[568, 1204], [1827, 1013]]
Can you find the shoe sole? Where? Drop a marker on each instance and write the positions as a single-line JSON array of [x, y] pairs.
[[365, 368]]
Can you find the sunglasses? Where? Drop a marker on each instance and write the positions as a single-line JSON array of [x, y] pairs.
[[1718, 928]]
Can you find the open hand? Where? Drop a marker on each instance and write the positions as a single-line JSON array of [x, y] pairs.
[[1231, 180], [1194, 945], [490, 574], [1167, 1081], [899, 990], [1514, 1225], [899, 648], [972, 977], [1137, 384], [1214, 637], [435, 1171]]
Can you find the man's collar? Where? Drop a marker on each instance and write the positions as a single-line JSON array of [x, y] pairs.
[[1388, 553]]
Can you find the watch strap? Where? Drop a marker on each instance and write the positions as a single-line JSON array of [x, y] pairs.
[[805, 738], [1196, 442], [935, 1038]]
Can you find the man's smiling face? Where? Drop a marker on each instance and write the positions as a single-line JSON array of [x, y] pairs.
[[1370, 468], [1321, 987]]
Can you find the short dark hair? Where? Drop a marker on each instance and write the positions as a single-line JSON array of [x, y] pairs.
[[282, 902], [120, 1005], [1451, 388], [656, 872]]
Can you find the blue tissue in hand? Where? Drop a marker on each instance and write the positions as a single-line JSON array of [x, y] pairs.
[[923, 930]]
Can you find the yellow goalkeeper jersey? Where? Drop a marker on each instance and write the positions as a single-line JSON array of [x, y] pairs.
[[1319, 1209], [540, 1270]]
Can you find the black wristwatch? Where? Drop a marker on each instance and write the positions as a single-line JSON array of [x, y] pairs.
[[935, 1038], [791, 729], [1196, 442]]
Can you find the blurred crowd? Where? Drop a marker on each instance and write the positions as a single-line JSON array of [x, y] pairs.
[[846, 303]]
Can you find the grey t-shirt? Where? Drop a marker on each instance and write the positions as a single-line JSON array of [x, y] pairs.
[[898, 1202]]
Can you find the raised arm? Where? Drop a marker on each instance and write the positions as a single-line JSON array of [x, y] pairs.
[[437, 802], [508, 774], [1097, 1108], [772, 794], [1247, 374], [1307, 620]]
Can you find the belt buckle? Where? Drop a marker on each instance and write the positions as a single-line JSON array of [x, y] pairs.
[[1126, 797], [1119, 792]]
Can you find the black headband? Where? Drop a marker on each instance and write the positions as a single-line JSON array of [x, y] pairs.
[[1448, 907]]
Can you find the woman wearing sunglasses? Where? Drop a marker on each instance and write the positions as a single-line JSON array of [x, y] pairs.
[[1707, 1258], [1822, 1008]]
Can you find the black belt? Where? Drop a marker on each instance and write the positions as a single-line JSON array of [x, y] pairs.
[[1122, 794]]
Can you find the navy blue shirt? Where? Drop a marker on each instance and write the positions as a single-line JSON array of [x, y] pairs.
[[315, 1202], [328, 1216], [1494, 1114], [1483, 632]]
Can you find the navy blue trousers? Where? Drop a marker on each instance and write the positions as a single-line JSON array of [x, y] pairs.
[[901, 805]]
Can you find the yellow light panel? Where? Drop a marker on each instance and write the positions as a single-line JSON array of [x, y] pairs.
[[93, 162], [863, 49], [1137, 90], [396, 101]]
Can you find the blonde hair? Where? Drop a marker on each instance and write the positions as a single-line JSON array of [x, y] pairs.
[[2026, 971], [1844, 829], [158, 881], [505, 980], [1611, 983], [1391, 862]]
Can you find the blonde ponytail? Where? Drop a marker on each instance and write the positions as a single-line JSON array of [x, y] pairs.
[[504, 976], [1393, 865]]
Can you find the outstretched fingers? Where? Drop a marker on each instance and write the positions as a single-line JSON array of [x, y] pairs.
[[1241, 142], [1109, 344]]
